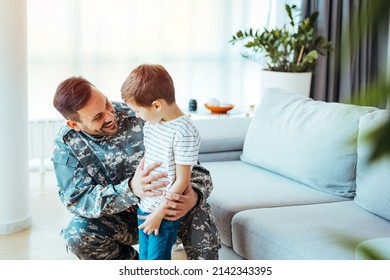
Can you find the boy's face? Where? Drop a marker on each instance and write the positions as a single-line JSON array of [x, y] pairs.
[[150, 114]]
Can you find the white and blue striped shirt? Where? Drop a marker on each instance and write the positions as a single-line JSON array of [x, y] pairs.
[[172, 142]]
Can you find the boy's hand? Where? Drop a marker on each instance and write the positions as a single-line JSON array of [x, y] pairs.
[[152, 222]]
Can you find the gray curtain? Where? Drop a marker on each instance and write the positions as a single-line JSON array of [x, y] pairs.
[[360, 48]]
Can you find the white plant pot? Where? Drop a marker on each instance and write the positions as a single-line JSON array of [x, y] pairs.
[[294, 82]]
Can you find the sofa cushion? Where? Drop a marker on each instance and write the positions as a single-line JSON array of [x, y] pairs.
[[239, 186], [373, 178], [312, 142], [227, 253], [375, 249], [231, 130], [317, 232], [219, 156]]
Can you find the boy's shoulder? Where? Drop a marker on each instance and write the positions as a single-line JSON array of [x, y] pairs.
[[186, 126]]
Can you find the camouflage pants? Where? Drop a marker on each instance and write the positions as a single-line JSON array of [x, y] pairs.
[[112, 237]]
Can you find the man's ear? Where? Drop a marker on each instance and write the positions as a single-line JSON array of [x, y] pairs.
[[74, 125], [157, 104]]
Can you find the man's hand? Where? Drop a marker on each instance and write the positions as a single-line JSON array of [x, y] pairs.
[[142, 183], [175, 206]]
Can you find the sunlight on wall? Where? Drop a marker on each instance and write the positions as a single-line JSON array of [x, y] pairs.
[[104, 40]]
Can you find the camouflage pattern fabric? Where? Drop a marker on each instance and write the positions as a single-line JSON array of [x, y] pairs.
[[93, 175]]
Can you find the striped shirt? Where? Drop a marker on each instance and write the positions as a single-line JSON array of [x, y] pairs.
[[172, 142]]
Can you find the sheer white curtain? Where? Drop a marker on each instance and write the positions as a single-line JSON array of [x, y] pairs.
[[104, 40]]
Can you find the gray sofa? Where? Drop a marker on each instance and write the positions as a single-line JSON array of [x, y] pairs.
[[295, 181]]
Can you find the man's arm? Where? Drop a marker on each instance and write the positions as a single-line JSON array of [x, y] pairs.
[[201, 182], [81, 194]]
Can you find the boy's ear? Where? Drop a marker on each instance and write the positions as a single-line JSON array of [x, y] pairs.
[[74, 125], [157, 104]]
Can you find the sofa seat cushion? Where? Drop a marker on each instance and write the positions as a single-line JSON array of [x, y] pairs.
[[373, 178], [313, 142], [318, 232], [375, 249], [227, 253], [240, 186]]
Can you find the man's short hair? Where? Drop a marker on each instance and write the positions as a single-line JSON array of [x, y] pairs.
[[72, 95], [146, 83]]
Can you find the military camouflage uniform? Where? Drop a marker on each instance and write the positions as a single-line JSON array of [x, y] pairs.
[[93, 175]]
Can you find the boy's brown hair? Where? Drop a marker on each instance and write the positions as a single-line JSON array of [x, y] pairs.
[[147, 83]]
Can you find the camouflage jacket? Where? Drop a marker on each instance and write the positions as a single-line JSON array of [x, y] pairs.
[[93, 172]]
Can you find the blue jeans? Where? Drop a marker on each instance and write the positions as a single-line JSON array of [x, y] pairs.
[[157, 247]]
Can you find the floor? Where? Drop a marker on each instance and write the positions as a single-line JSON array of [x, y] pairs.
[[42, 240]]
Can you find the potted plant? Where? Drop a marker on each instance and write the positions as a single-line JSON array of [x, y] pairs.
[[294, 48]]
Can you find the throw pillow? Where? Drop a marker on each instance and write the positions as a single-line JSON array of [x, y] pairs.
[[373, 178], [312, 142]]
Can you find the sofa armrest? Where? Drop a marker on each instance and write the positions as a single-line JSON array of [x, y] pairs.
[[222, 138]]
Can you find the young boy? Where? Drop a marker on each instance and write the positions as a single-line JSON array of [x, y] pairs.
[[171, 138]]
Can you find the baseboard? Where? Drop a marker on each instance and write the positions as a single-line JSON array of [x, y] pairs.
[[13, 227]]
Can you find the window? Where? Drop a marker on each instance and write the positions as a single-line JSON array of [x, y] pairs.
[[104, 40]]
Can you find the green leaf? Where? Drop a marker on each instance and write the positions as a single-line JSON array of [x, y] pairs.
[[280, 47], [289, 13]]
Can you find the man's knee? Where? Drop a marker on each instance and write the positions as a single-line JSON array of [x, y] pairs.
[[200, 235], [76, 238], [95, 242]]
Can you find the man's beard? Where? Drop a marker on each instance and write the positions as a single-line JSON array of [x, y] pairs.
[[109, 128]]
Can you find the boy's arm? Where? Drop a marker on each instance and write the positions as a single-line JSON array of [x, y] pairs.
[[183, 178], [153, 221]]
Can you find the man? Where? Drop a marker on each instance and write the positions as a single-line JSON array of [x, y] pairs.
[[101, 177]]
